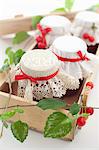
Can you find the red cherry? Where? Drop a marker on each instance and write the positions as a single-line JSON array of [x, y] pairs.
[[85, 36], [41, 45], [39, 38], [81, 121], [89, 110], [90, 84], [91, 39]]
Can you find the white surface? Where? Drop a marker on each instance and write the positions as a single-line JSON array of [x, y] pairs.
[[10, 8], [88, 137]]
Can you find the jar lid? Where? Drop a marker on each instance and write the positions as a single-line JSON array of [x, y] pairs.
[[68, 44], [87, 17], [39, 63], [59, 24]]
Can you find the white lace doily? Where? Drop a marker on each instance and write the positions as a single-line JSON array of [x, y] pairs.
[[67, 47], [86, 22], [55, 87]]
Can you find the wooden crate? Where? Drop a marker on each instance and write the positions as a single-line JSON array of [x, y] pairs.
[[34, 116]]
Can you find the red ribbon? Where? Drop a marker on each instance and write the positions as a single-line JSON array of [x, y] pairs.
[[81, 57], [41, 39], [32, 79]]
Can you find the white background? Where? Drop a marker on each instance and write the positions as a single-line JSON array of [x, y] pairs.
[[88, 137], [9, 8]]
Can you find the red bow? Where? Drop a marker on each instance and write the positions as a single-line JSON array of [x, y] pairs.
[[41, 39], [24, 76], [89, 37], [81, 57]]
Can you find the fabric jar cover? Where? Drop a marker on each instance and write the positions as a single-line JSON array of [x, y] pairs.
[[74, 58], [39, 76], [59, 26], [86, 26]]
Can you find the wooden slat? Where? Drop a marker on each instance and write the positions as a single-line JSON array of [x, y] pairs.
[[21, 23], [15, 25]]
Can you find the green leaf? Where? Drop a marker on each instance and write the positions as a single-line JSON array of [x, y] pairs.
[[11, 57], [19, 130], [74, 109], [69, 4], [8, 49], [20, 37], [7, 115], [59, 10], [51, 103], [94, 7], [19, 110], [58, 125], [36, 20], [84, 115], [5, 67], [6, 61], [17, 56]]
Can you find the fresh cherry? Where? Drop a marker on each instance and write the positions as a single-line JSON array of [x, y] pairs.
[[81, 121], [89, 110], [91, 39], [90, 84], [85, 36]]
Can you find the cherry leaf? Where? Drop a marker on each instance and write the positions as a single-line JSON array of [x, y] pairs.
[[20, 37], [58, 125], [19, 130], [59, 10], [51, 103], [74, 109], [36, 20], [69, 4]]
